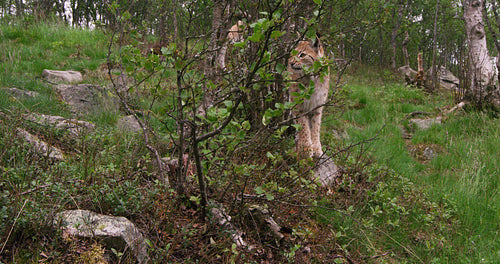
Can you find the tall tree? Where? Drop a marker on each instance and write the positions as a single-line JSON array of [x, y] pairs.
[[434, 50], [19, 8], [481, 69], [397, 24]]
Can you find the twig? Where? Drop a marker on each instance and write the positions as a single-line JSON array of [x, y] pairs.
[[377, 256], [412, 114], [12, 228], [35, 189]]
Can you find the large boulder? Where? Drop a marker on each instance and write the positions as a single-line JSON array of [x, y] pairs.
[[85, 98], [62, 76], [40, 146], [19, 93], [73, 126], [129, 124], [326, 171], [446, 79], [407, 73], [424, 124], [116, 232]]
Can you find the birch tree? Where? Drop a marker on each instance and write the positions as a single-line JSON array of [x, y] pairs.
[[481, 68]]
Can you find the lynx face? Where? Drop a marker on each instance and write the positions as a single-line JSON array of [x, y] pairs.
[[308, 52]]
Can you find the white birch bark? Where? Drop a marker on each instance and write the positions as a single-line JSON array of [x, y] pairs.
[[481, 69]]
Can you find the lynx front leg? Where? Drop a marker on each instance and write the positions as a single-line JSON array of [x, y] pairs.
[[315, 122], [303, 143]]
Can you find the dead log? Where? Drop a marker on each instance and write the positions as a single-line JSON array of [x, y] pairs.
[[419, 79], [223, 219], [264, 220]]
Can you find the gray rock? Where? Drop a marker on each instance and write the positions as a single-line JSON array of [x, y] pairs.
[[71, 125], [40, 146], [85, 98], [118, 232], [62, 76], [326, 172], [407, 73], [429, 153], [18, 93], [339, 135], [446, 78], [424, 124], [128, 124]]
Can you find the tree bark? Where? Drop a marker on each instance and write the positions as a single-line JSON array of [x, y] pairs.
[[19, 8], [405, 49], [419, 80], [481, 69], [394, 32], [435, 83], [176, 23], [210, 62]]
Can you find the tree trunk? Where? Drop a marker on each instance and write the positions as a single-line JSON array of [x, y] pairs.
[[162, 23], [213, 47], [419, 80], [394, 33], [405, 49], [435, 83], [481, 69], [176, 26], [19, 8]]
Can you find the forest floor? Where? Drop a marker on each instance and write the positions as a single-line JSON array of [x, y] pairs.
[[395, 202]]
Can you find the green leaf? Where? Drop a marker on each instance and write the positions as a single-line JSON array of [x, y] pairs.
[[256, 37], [195, 199], [240, 44], [276, 34], [246, 125], [228, 103]]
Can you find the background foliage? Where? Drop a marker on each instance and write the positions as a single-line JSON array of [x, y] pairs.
[[392, 205]]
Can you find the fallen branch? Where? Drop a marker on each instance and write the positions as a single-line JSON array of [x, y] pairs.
[[224, 220], [264, 218], [377, 256], [457, 107], [415, 113], [35, 189]]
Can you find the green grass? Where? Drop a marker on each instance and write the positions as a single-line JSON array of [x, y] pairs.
[[25, 51], [392, 203], [465, 173]]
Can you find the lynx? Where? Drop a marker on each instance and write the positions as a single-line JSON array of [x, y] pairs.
[[234, 35], [308, 113]]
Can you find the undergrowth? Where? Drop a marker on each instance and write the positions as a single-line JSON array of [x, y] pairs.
[[389, 206]]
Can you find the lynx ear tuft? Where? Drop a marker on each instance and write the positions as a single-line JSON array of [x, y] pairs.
[[317, 42], [318, 46]]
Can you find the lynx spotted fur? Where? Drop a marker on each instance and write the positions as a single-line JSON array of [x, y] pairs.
[[308, 113]]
